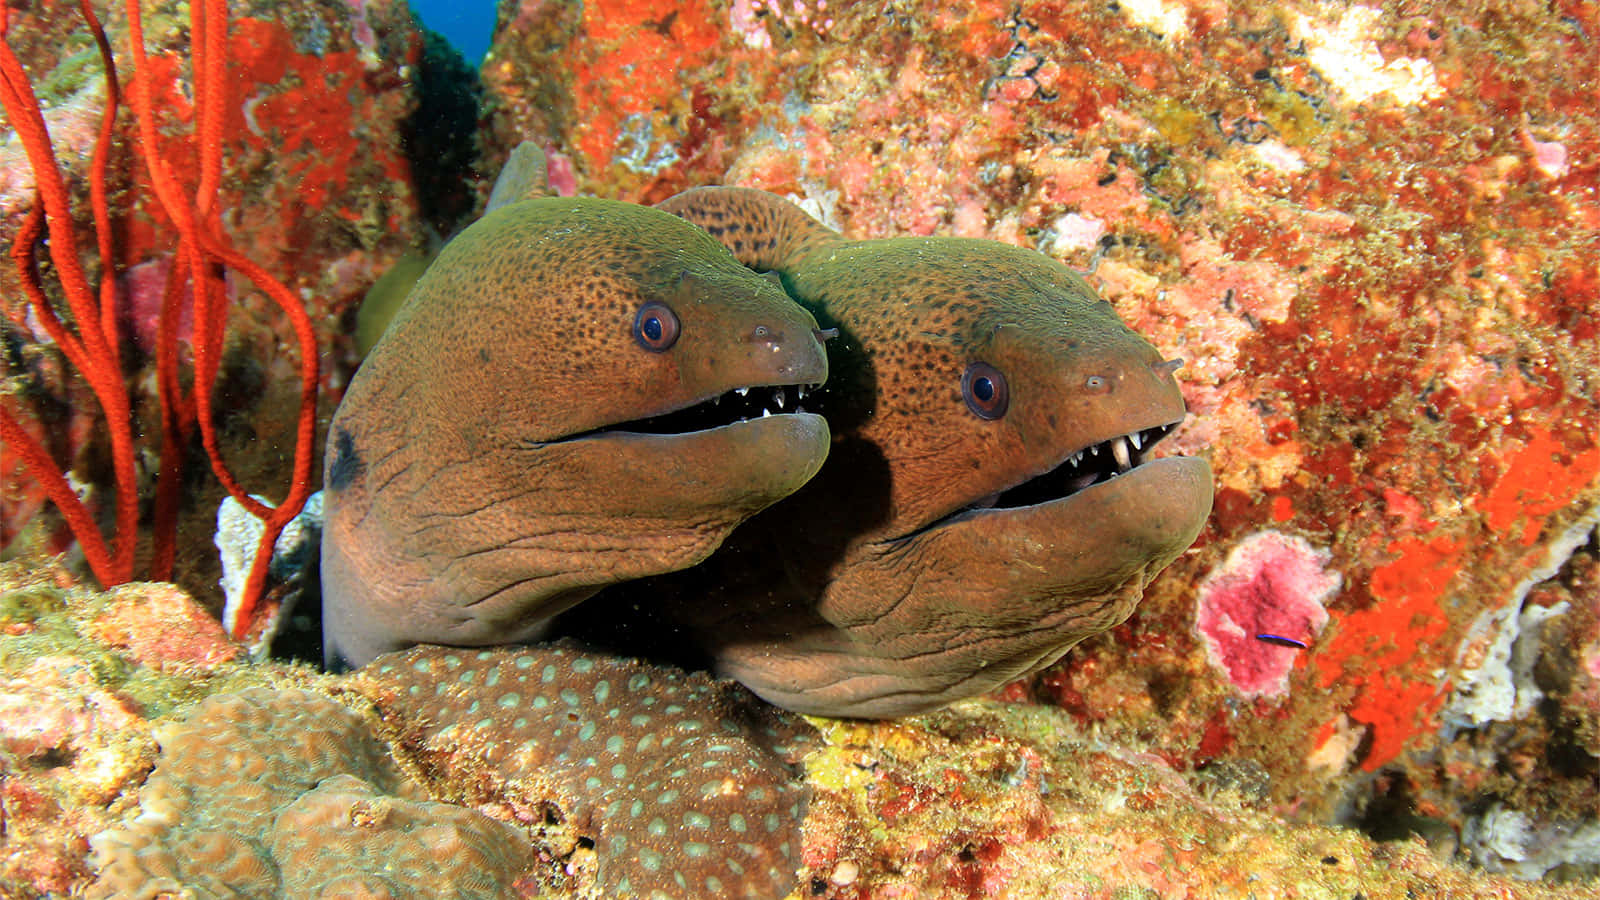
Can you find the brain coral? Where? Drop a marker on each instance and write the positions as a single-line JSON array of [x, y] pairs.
[[285, 793], [685, 786]]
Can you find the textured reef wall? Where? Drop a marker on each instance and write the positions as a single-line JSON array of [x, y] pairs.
[[1370, 231]]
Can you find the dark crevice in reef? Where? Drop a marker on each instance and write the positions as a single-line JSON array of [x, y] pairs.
[[441, 135], [1391, 813], [300, 637]]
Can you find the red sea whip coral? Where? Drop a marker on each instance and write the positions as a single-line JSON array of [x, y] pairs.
[[1268, 594], [91, 343]]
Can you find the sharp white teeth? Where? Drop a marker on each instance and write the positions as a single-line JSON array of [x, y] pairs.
[[741, 391], [1119, 449], [765, 413], [802, 392], [1134, 440], [1095, 449], [779, 399]]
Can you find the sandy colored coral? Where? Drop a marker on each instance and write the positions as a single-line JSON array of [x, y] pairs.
[[193, 638], [269, 793]]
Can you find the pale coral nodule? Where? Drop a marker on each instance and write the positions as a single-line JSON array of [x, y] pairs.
[[1271, 585]]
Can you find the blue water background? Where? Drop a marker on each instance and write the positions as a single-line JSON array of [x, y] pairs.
[[466, 24]]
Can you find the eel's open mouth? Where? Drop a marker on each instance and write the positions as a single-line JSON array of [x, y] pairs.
[[1092, 465], [731, 407]]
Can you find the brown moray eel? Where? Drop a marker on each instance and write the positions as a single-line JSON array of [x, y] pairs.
[[990, 498], [542, 418]]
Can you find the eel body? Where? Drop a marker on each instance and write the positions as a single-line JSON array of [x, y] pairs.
[[990, 498], [542, 419]]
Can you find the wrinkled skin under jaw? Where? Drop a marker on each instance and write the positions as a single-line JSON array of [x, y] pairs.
[[548, 524], [982, 598]]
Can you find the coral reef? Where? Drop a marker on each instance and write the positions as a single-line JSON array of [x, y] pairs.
[[72, 739], [1020, 801], [1370, 232], [285, 793], [982, 799]]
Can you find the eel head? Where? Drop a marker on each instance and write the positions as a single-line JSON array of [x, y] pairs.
[[1005, 423], [577, 392]]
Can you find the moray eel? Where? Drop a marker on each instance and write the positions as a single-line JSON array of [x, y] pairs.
[[990, 499], [576, 393]]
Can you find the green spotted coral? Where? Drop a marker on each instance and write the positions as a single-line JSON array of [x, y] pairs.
[[685, 786]]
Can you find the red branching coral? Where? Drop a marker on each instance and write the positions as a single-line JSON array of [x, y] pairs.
[[90, 341]]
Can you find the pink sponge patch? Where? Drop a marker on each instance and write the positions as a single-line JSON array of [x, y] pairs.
[[1267, 596]]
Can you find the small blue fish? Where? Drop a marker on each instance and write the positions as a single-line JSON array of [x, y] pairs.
[[1281, 641]]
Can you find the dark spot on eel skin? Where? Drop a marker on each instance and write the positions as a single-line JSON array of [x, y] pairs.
[[344, 463]]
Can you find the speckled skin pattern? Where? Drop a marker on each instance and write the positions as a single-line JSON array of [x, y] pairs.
[[884, 587], [686, 787], [469, 494]]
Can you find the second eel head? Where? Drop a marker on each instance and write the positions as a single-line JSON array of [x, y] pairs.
[[992, 497], [577, 392]]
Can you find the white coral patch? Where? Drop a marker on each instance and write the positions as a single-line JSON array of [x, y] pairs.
[[1348, 56], [1495, 680], [239, 533], [1170, 20], [1072, 231]]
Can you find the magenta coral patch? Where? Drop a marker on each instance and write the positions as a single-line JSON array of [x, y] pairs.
[[1271, 584]]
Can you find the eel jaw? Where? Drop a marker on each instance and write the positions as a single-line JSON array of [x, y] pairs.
[[1087, 466], [728, 408]]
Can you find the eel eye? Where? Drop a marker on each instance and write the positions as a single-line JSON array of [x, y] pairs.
[[984, 389], [655, 327]]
